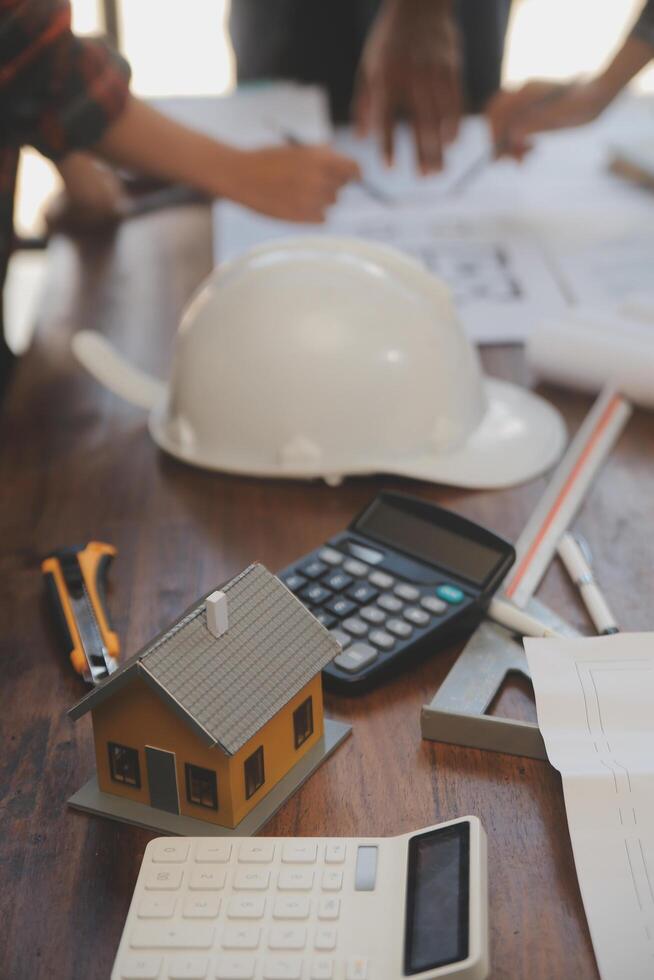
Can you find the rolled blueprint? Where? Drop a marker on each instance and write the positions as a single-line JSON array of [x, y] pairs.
[[587, 350]]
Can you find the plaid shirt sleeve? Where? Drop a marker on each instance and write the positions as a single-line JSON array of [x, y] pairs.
[[644, 28], [58, 92]]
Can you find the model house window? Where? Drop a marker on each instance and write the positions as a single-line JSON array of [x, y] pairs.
[[201, 787], [254, 774], [124, 765], [303, 722]]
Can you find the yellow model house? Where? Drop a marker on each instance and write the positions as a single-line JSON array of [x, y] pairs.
[[205, 720]]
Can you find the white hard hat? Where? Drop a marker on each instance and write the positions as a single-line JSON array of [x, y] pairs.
[[323, 357]]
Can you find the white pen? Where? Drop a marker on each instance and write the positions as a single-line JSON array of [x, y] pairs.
[[519, 622], [579, 570]]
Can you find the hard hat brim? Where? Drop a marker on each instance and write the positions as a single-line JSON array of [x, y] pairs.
[[520, 437]]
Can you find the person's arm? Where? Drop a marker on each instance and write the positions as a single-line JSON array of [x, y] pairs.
[[60, 94], [514, 117], [291, 182], [411, 64]]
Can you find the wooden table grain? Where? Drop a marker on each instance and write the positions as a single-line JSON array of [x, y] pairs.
[[76, 463]]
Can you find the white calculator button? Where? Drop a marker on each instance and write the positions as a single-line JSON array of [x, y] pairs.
[[335, 853], [399, 627], [329, 907], [157, 906], [332, 881], [322, 969], [201, 906], [356, 968], [372, 614], [355, 626], [330, 556], [246, 907], [140, 967], [365, 874], [325, 938], [160, 880], [208, 879], [417, 616], [282, 969], [188, 968], [358, 656], [381, 580], [299, 852], [434, 604], [406, 591], [169, 852], [210, 852], [295, 880], [356, 568], [252, 881], [287, 937], [341, 638], [148, 935], [291, 907], [381, 639], [389, 602], [259, 852], [235, 968], [241, 937]]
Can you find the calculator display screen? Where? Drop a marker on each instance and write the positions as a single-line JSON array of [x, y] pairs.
[[437, 899], [432, 543]]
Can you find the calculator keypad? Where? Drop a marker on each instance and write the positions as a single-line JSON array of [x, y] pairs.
[[368, 611], [268, 910]]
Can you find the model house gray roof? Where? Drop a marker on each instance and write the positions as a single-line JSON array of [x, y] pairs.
[[228, 687]]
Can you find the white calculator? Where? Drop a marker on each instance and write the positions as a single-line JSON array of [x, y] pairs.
[[303, 908]]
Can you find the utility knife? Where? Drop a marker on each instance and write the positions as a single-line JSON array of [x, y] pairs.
[[75, 579]]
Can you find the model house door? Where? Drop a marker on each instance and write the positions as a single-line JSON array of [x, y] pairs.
[[162, 779]]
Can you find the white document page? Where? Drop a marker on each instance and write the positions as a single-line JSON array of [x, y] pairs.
[[255, 115], [595, 703]]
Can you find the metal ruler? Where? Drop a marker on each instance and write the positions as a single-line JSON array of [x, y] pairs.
[[457, 712]]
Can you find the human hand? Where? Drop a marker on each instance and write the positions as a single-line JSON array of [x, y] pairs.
[[294, 183], [514, 117], [93, 195], [411, 63]]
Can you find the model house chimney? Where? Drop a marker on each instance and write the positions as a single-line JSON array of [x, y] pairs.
[[217, 613]]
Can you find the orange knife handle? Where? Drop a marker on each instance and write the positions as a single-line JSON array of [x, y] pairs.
[[63, 612], [94, 561]]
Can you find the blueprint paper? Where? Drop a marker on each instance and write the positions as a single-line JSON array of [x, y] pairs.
[[595, 704]]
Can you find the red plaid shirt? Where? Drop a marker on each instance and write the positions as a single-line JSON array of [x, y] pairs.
[[57, 92]]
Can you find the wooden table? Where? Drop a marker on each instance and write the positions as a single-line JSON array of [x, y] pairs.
[[77, 464]]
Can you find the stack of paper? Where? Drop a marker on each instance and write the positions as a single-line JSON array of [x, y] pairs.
[[595, 701]]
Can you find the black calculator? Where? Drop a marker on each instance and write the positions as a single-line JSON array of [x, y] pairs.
[[406, 577]]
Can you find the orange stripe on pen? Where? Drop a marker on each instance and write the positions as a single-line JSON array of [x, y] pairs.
[[603, 422]]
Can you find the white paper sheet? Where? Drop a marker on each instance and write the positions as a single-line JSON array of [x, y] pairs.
[[255, 115], [595, 703]]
